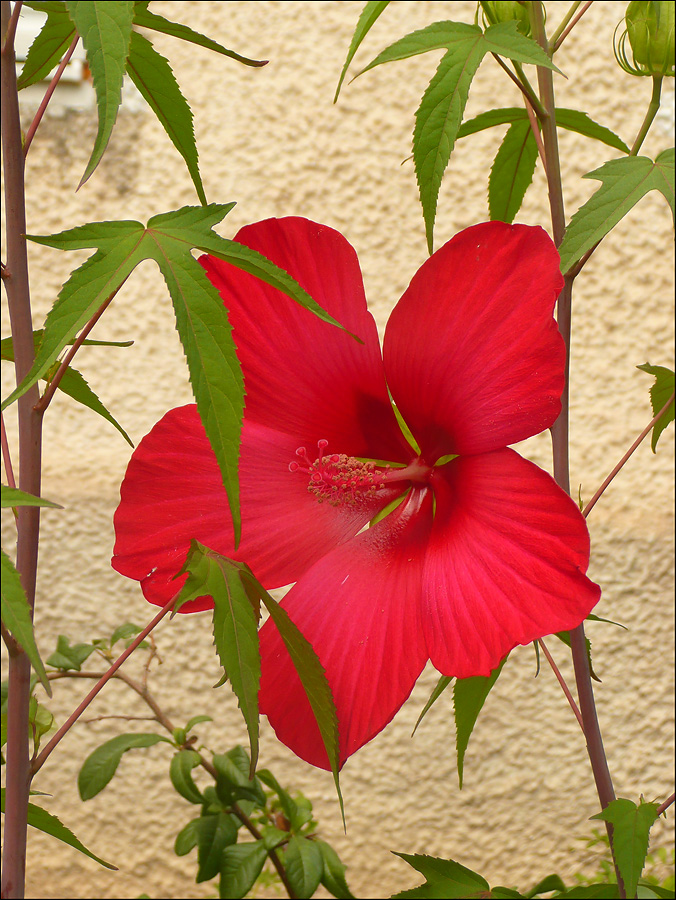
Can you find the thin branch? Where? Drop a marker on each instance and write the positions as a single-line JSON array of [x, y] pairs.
[[564, 687], [558, 40], [646, 431], [48, 95], [663, 807], [535, 129], [10, 34], [653, 107], [75, 715], [525, 89], [6, 455]]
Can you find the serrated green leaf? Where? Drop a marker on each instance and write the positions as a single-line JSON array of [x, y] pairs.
[[145, 19], [155, 80], [13, 497], [469, 696], [235, 625], [241, 865], [570, 119], [550, 883], [100, 766], [214, 834], [180, 772], [304, 865], [444, 875], [50, 43], [74, 384], [438, 690], [105, 29], [659, 395], [564, 637], [187, 838], [16, 615], [67, 657], [624, 182], [368, 16], [505, 39], [7, 344], [333, 877], [512, 172], [44, 821], [631, 834]]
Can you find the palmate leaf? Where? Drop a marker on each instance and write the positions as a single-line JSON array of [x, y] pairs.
[[512, 172], [16, 615], [50, 44], [624, 182], [12, 497], [444, 878], [100, 766], [44, 821], [659, 394], [440, 113], [105, 29], [631, 834], [201, 318], [469, 696], [155, 80], [368, 16]]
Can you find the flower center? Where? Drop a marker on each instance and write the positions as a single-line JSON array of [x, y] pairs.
[[340, 479]]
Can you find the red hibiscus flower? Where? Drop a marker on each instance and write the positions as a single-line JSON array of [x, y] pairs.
[[483, 551]]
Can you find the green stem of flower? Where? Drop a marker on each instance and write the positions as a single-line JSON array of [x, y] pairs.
[[562, 31], [597, 756], [564, 22], [649, 116]]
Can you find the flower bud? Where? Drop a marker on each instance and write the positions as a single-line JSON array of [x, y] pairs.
[[650, 30], [506, 11]]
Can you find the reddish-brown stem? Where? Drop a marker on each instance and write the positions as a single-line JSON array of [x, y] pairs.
[[75, 715], [48, 95], [562, 682], [30, 453], [45, 400], [570, 26], [533, 119], [642, 436], [663, 807], [6, 455], [525, 90]]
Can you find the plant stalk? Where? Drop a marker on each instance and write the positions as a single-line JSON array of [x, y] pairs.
[[653, 106], [30, 456]]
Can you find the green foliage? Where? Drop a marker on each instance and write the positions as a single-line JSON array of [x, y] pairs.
[[304, 865], [241, 865], [469, 696], [624, 183], [49, 45], [439, 688], [372, 9], [100, 766], [512, 172], [662, 389], [13, 497], [49, 824], [233, 781], [213, 833], [631, 833], [444, 878], [180, 772], [69, 657]]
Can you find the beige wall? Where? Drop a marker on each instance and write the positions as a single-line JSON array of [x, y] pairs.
[[272, 140]]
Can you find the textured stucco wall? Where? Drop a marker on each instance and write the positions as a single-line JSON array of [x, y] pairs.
[[272, 140]]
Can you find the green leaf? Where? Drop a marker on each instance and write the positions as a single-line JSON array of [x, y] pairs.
[[235, 627], [564, 637], [439, 688], [146, 19], [214, 834], [631, 834], [550, 883], [105, 29], [124, 632], [13, 497], [624, 182], [304, 865], [296, 815], [469, 696], [367, 18], [512, 172], [67, 657], [50, 44], [16, 615], [596, 891], [234, 782], [241, 865], [155, 80], [44, 821], [571, 119], [333, 878], [7, 345], [196, 720], [659, 394], [445, 877], [100, 766], [180, 772], [187, 838]]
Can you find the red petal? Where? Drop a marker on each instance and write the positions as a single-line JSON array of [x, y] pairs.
[[505, 564], [173, 492], [473, 356], [359, 608], [303, 376]]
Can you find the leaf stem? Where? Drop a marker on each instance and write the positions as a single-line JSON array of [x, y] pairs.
[[75, 715], [663, 807], [653, 107], [523, 86], [10, 31], [646, 431], [562, 31], [6, 455], [48, 95], [564, 687]]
